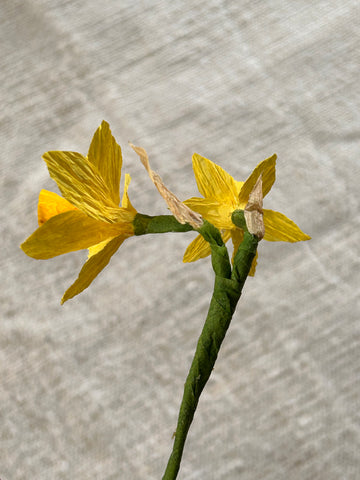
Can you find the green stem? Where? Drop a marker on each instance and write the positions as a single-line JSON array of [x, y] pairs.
[[227, 291], [144, 224]]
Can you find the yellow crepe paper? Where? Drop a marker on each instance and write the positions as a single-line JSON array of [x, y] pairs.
[[222, 195], [88, 214]]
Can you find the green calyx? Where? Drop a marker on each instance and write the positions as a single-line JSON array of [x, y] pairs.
[[238, 219]]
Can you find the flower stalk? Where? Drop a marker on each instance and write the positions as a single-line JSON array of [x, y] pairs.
[[227, 291], [144, 224]]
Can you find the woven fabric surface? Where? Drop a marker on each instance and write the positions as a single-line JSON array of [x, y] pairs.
[[91, 389]]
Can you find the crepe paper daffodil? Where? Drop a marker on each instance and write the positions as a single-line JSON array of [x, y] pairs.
[[223, 195], [88, 215]]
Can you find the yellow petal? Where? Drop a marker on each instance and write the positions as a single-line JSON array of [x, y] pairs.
[[198, 248], [213, 181], [253, 265], [94, 249], [238, 187], [105, 154], [82, 185], [93, 267], [219, 214], [125, 202], [280, 228], [237, 236], [68, 232], [267, 169], [51, 204]]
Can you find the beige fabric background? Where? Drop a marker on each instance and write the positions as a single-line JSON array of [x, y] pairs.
[[91, 390]]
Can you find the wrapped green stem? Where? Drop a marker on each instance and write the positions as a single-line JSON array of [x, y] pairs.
[[227, 290], [144, 224]]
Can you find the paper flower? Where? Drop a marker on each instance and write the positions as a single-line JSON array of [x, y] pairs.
[[222, 195], [88, 214]]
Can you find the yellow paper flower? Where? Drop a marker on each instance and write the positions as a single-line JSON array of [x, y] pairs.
[[222, 195], [88, 214]]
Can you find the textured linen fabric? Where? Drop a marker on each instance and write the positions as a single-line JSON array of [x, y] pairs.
[[91, 389]]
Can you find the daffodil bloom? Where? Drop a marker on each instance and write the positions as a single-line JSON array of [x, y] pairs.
[[223, 195], [88, 215]]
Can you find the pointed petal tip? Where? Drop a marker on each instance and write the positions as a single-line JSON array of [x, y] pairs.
[[97, 261], [306, 237], [268, 170], [187, 258], [279, 228], [66, 297], [198, 248], [28, 249]]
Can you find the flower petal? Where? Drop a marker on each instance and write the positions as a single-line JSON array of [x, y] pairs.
[[51, 204], [219, 214], [94, 249], [213, 181], [198, 248], [125, 201], [267, 169], [253, 265], [238, 187], [280, 228], [93, 266], [237, 236], [105, 154], [68, 232], [82, 185]]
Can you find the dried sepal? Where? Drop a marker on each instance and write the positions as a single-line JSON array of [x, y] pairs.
[[181, 212], [253, 211]]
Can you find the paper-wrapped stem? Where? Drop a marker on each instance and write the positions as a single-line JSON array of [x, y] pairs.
[[144, 224], [227, 290]]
